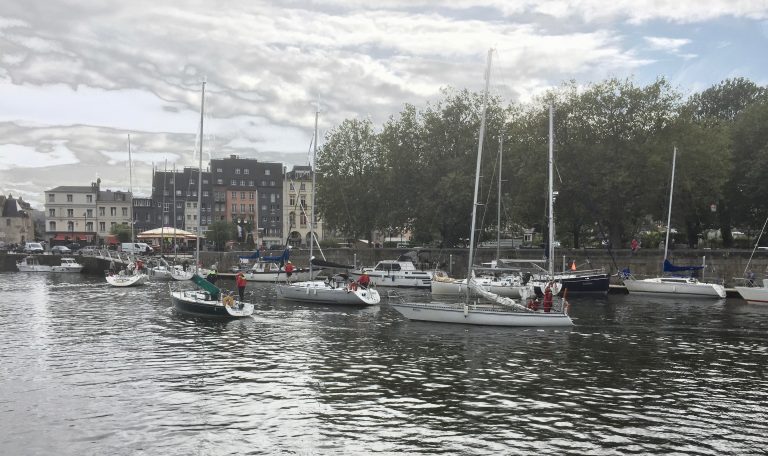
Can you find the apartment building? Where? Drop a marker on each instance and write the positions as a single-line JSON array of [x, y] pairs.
[[297, 212], [176, 193], [16, 224], [70, 213]]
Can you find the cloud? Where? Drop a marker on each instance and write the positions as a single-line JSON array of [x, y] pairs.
[[666, 44]]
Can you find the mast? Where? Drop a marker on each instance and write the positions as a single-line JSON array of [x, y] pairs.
[[130, 183], [175, 247], [669, 211], [162, 222], [498, 206], [199, 178], [312, 209], [477, 172], [551, 203]]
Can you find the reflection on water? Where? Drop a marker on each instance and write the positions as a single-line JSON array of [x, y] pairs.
[[98, 370]]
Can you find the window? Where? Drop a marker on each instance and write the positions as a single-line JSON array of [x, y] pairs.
[[89, 226], [189, 216], [220, 181], [205, 194], [266, 172], [242, 208], [303, 187], [112, 225], [271, 183], [234, 207], [101, 211], [125, 212], [205, 181], [219, 170], [292, 219], [263, 183], [51, 212], [89, 213], [89, 198], [272, 198], [70, 226], [102, 227], [292, 201], [303, 201], [291, 187], [251, 208], [237, 170], [242, 195], [242, 183], [234, 195], [263, 207], [51, 226], [69, 198], [250, 183], [51, 198], [70, 212], [303, 219], [246, 171], [252, 195], [113, 211], [233, 182]]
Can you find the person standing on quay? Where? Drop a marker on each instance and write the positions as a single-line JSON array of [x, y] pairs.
[[634, 245], [241, 283]]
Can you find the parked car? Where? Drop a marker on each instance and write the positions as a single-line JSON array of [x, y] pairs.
[[74, 246], [33, 247], [60, 250]]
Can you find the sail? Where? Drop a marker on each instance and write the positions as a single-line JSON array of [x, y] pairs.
[[669, 267], [496, 298]]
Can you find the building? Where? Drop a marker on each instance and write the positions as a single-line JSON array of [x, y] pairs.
[[113, 209], [176, 193], [146, 214], [249, 193], [297, 212], [70, 214], [16, 224]]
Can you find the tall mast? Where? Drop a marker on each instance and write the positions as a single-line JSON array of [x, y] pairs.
[[669, 212], [162, 211], [477, 172], [312, 209], [498, 206], [200, 178], [175, 247], [551, 203], [130, 183]]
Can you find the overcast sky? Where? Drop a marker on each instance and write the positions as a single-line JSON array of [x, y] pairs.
[[76, 77]]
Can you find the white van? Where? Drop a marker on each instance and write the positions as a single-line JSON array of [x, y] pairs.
[[136, 247]]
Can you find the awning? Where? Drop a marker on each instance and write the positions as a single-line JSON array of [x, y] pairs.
[[60, 237], [111, 239]]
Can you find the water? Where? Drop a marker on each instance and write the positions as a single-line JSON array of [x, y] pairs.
[[87, 369]]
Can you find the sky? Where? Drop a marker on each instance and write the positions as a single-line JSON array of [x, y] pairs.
[[77, 77]]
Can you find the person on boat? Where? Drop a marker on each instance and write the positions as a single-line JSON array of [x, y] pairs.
[[212, 277], [547, 303], [288, 271], [241, 283], [139, 265], [364, 280], [185, 265], [634, 245]]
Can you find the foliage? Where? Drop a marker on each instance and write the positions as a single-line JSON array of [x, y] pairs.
[[122, 231], [219, 232]]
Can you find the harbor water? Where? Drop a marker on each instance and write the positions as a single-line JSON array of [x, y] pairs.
[[87, 369]]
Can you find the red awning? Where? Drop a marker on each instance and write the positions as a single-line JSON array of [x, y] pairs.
[[111, 239], [60, 237]]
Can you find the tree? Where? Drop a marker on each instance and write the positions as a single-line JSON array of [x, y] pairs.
[[122, 231], [220, 232]]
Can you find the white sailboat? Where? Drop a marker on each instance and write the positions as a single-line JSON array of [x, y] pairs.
[[132, 275], [208, 300], [331, 291], [751, 293], [31, 264], [670, 285], [498, 311]]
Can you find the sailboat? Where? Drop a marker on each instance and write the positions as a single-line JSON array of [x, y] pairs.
[[133, 275], [208, 300], [751, 293], [498, 311], [674, 285], [334, 290]]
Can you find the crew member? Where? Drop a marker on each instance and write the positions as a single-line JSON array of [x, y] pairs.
[[288, 271], [241, 282], [547, 303], [364, 280]]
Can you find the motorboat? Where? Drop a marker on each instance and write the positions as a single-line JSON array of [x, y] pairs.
[[67, 265], [396, 273], [209, 301], [332, 291], [31, 264], [755, 295]]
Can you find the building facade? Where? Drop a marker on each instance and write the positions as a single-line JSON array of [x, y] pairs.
[[249, 193], [176, 194], [113, 208], [298, 209], [16, 222], [70, 214]]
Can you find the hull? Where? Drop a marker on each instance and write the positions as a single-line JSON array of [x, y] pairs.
[[660, 287], [321, 293], [33, 268], [398, 280], [199, 304], [68, 268], [118, 280], [276, 276], [477, 315], [180, 274], [754, 295], [459, 287], [594, 283]]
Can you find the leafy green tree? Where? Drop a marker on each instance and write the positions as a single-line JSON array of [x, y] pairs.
[[122, 231], [220, 232]]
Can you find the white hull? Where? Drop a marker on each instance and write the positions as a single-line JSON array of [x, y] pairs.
[[67, 265], [67, 268], [33, 268], [675, 287], [754, 295], [131, 280], [405, 280], [480, 315], [180, 274], [321, 293], [278, 276], [458, 287], [160, 273]]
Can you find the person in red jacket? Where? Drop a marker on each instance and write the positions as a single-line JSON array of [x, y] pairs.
[[241, 282], [364, 280], [288, 271], [547, 303]]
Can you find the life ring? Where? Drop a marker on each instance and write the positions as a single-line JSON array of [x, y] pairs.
[[228, 301]]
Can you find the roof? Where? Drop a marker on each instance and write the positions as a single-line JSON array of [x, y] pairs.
[[73, 189], [12, 208]]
